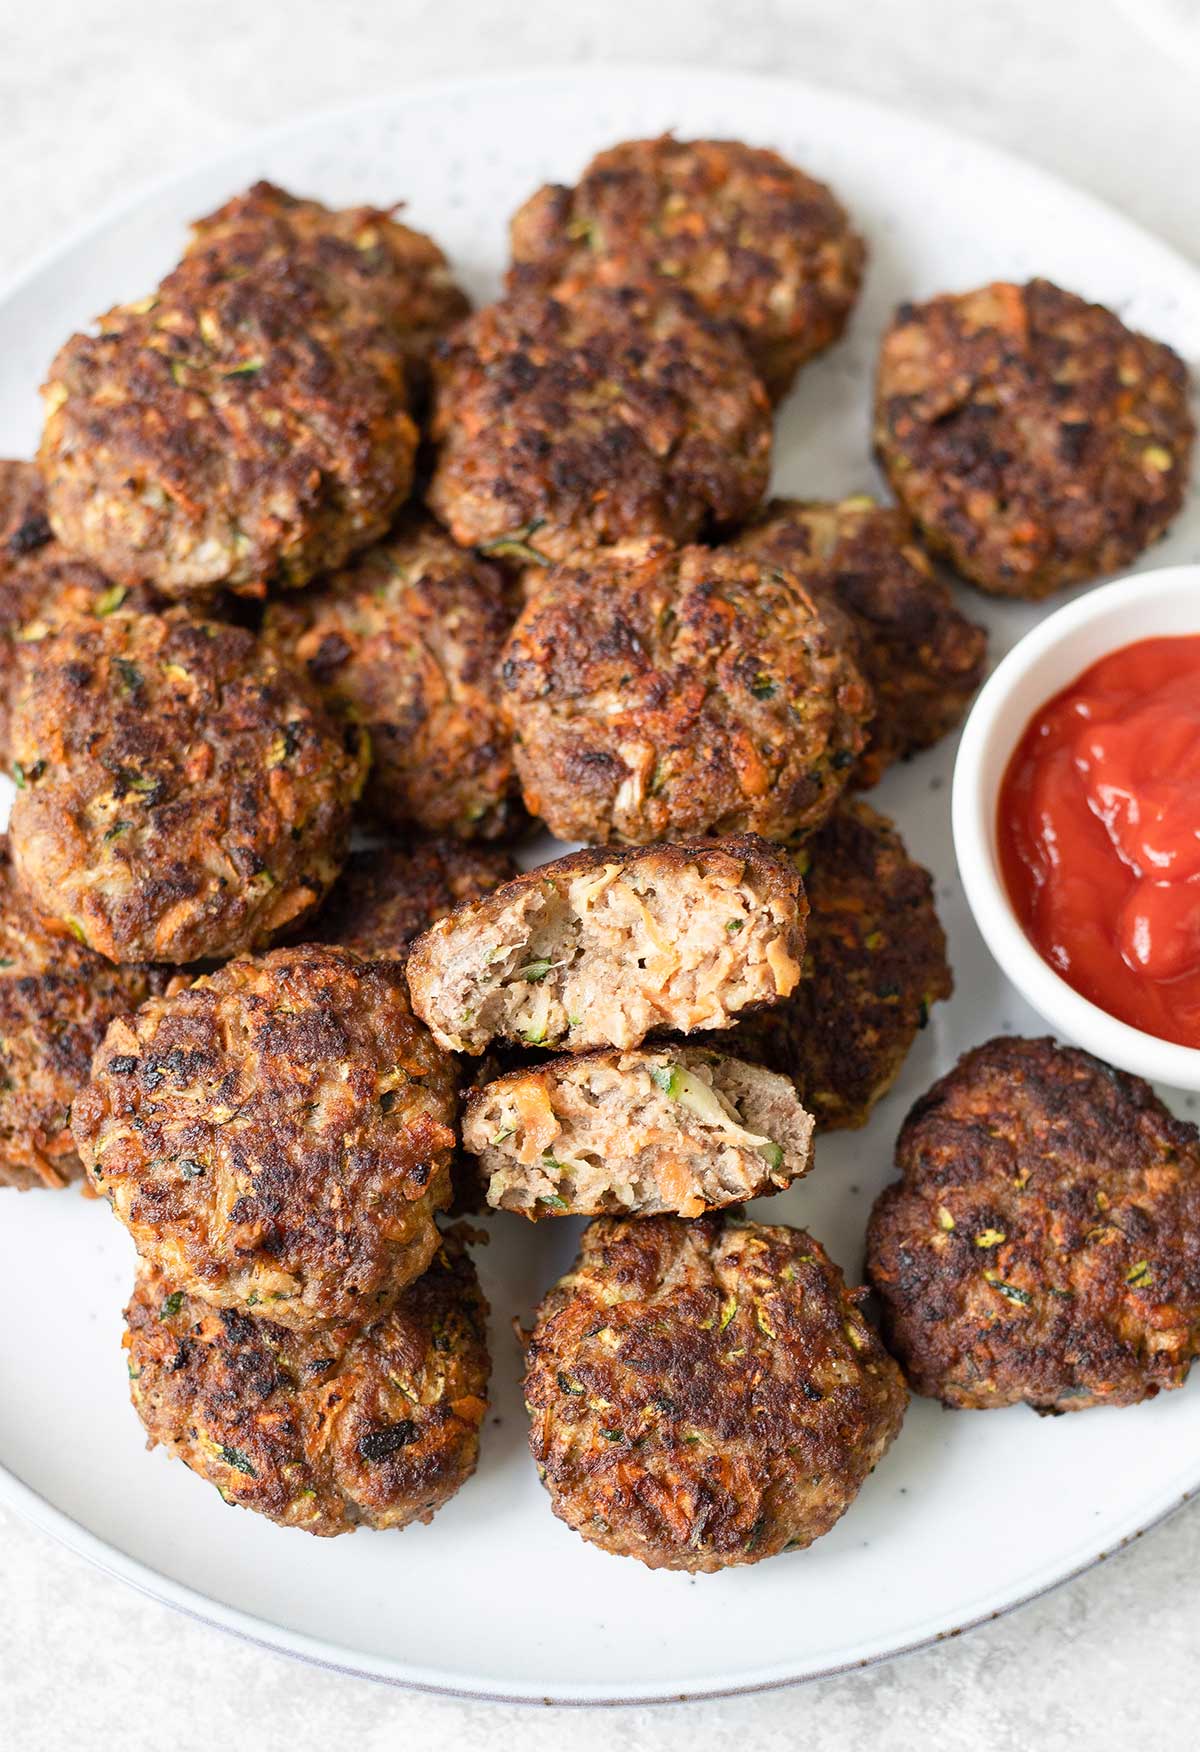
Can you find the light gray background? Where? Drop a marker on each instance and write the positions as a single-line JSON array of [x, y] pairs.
[[95, 97]]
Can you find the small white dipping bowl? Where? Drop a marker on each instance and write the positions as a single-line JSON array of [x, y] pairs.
[[1146, 606]]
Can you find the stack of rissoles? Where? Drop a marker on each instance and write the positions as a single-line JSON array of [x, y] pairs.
[[310, 547]]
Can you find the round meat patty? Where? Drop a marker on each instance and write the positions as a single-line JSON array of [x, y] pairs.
[[705, 1394], [674, 1130], [406, 641], [249, 421], [325, 1431], [41, 584], [922, 658], [1035, 440], [749, 235], [874, 964], [387, 895], [378, 274], [1044, 1242], [277, 1136], [182, 795], [602, 948], [655, 691], [56, 1002], [568, 425]]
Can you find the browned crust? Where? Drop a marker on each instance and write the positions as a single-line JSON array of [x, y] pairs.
[[922, 658], [654, 691], [183, 794], [369, 261], [56, 1002], [1035, 439], [277, 1135], [41, 584], [387, 895], [407, 640], [705, 1394], [562, 426], [1044, 1243], [874, 964], [752, 237], [249, 421], [377, 1427]]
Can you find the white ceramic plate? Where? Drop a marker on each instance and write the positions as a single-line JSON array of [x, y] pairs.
[[1173, 24], [970, 1513]]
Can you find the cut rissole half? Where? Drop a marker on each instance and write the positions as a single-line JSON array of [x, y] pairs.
[[673, 1130], [606, 946]]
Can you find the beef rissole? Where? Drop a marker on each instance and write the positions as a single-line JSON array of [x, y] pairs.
[[603, 947]]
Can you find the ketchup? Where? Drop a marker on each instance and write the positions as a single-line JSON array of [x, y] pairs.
[[1098, 826]]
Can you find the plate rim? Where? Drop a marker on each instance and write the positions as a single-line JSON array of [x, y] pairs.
[[56, 1523], [331, 1657], [672, 73]]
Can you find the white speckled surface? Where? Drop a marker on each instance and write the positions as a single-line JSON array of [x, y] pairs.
[[94, 97]]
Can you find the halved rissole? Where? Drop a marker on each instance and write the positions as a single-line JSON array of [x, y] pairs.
[[665, 1131], [606, 946]]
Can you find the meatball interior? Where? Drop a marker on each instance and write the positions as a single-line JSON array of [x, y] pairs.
[[601, 948], [677, 1130]]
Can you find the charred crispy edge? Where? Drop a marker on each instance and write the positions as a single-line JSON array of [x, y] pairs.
[[453, 1277], [395, 873], [945, 308], [906, 1330], [919, 1380], [1013, 1051], [706, 1234]]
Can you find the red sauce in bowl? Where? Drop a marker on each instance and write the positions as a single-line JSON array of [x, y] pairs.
[[1099, 835]]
